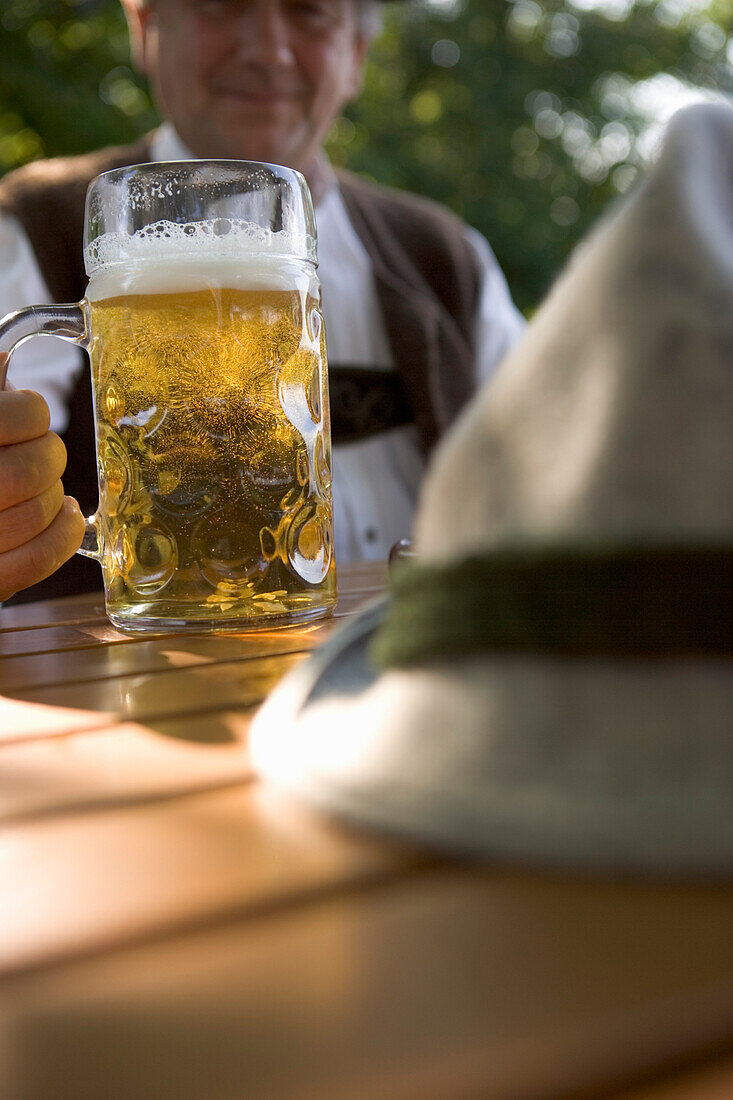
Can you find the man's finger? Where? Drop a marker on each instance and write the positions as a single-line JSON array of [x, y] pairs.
[[23, 415], [39, 558], [27, 469], [23, 522]]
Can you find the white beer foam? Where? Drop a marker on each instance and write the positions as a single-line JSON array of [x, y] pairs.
[[212, 236], [167, 258]]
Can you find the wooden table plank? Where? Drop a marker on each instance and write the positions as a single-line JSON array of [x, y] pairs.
[[158, 654], [60, 637], [127, 763], [79, 883], [67, 609], [452, 984], [144, 697], [21, 720]]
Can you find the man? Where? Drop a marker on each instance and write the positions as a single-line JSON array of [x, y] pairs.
[[416, 309]]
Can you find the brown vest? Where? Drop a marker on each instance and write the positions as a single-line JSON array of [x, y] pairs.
[[426, 275]]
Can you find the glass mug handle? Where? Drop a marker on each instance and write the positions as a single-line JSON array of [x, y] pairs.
[[70, 322]]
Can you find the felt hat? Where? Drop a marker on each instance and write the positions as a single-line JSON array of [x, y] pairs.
[[551, 680]]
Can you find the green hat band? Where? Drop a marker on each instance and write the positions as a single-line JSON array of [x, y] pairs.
[[613, 601]]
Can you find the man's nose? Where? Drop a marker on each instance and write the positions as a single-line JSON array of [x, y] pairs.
[[263, 33]]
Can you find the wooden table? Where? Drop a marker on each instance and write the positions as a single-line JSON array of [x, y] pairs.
[[169, 927]]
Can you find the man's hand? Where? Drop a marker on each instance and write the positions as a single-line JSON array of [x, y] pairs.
[[39, 527]]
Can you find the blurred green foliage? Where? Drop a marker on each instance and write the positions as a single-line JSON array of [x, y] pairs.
[[525, 117]]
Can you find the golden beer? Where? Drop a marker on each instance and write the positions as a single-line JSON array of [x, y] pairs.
[[213, 444]]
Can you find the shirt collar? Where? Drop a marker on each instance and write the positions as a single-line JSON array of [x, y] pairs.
[[166, 145]]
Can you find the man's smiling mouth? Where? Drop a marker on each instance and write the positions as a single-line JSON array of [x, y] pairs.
[[256, 95]]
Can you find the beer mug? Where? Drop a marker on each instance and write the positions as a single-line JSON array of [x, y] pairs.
[[202, 321]]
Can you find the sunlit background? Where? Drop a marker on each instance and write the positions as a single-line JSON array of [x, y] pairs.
[[526, 117]]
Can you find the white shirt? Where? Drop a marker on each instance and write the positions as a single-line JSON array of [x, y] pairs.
[[375, 480]]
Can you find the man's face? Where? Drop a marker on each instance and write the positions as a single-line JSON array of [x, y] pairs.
[[251, 79]]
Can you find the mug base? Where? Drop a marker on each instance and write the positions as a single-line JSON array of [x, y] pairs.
[[142, 623]]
